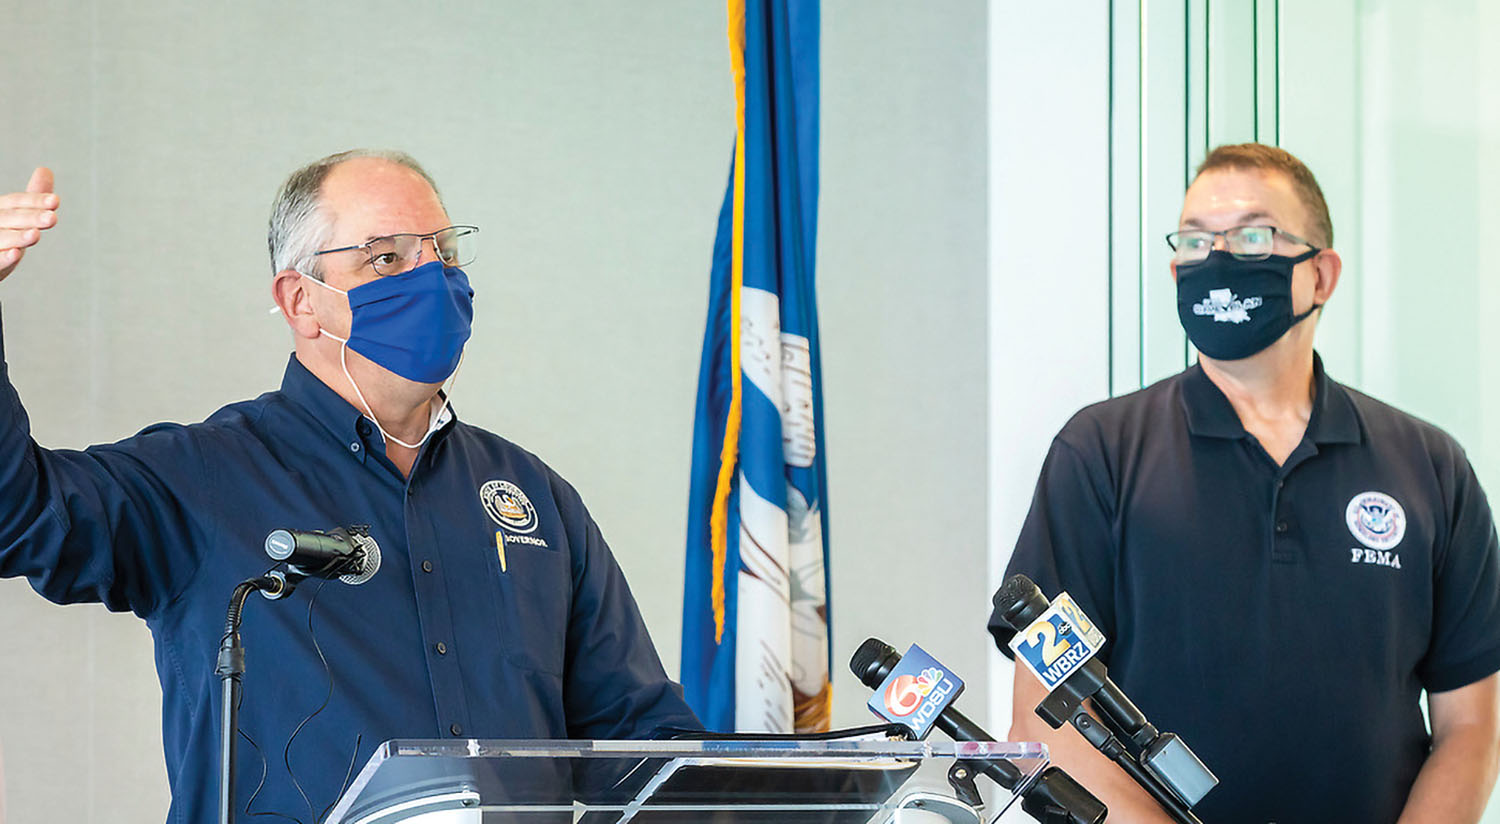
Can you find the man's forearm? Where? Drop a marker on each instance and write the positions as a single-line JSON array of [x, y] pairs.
[[1455, 782]]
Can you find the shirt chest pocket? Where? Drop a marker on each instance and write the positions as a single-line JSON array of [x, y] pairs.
[[533, 593]]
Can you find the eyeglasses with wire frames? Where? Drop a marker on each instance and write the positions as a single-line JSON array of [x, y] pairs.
[[1244, 242], [395, 254]]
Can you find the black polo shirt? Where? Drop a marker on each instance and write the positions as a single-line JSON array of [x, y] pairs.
[[1282, 620]]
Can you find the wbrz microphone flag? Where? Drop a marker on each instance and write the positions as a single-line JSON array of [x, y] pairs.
[[755, 642], [1058, 643]]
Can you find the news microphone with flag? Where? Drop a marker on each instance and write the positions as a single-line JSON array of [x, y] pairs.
[[346, 553], [1020, 603], [1061, 627], [1053, 796]]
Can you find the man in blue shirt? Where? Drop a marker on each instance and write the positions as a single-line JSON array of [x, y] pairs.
[[497, 610]]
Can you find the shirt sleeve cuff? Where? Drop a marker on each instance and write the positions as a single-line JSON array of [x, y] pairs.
[[1462, 674]]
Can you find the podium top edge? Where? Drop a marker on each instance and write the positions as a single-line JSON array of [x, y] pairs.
[[743, 747]]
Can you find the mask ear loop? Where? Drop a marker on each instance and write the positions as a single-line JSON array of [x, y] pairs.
[[452, 382], [344, 364], [1312, 252]]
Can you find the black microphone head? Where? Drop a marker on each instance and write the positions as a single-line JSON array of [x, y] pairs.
[[873, 661], [346, 553], [365, 560], [1019, 602]]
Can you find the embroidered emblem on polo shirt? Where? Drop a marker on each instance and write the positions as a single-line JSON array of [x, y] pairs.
[[1376, 519], [509, 507]]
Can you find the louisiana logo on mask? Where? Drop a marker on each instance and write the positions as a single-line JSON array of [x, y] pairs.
[[1224, 325], [1224, 306]]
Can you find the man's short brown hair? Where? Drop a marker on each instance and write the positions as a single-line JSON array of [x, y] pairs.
[[1263, 158]]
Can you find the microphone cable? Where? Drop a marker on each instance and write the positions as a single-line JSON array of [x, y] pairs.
[[262, 783], [286, 753], [348, 776]]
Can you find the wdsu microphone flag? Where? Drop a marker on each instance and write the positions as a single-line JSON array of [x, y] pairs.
[[755, 641]]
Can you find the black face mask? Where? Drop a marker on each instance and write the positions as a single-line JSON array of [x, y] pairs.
[[1232, 308]]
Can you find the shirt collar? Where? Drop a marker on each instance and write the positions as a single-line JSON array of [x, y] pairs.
[[1209, 414], [334, 413], [1334, 418], [318, 398]]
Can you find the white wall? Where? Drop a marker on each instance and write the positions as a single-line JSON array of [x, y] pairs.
[[1049, 266]]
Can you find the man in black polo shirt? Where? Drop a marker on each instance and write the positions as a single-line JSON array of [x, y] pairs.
[[1281, 564]]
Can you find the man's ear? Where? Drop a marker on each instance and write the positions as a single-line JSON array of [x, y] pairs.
[[1173, 266], [1328, 266], [292, 298]]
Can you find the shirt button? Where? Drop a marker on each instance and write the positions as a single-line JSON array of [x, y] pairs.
[[456, 730], [411, 490], [426, 566], [1281, 527], [1280, 483], [354, 446], [441, 647]]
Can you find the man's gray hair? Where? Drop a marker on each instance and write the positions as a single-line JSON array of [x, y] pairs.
[[299, 226]]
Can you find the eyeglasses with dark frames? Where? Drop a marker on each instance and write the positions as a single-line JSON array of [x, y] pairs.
[[1244, 242]]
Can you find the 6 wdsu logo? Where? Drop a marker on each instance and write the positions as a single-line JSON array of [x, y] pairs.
[[509, 507], [916, 692]]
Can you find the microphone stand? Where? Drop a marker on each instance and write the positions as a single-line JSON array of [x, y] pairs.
[[1065, 705], [230, 669], [1105, 742]]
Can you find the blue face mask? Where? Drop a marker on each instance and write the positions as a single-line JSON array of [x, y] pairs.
[[414, 324]]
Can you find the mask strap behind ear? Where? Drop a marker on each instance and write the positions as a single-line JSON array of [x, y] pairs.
[[1296, 319], [344, 364], [275, 309], [323, 284], [1311, 253]]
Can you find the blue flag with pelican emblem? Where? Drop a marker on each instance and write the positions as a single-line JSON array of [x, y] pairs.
[[755, 641]]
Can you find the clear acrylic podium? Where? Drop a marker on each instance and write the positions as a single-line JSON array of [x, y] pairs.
[[687, 782]]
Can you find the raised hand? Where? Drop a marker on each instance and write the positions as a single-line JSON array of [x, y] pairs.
[[23, 217]]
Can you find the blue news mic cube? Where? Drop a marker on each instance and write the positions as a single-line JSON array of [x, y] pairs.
[[916, 692]]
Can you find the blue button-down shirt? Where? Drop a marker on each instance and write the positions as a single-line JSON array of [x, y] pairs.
[[452, 637]]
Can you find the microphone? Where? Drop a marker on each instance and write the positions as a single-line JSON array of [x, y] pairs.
[[346, 553], [1053, 796], [1020, 603], [1057, 643]]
